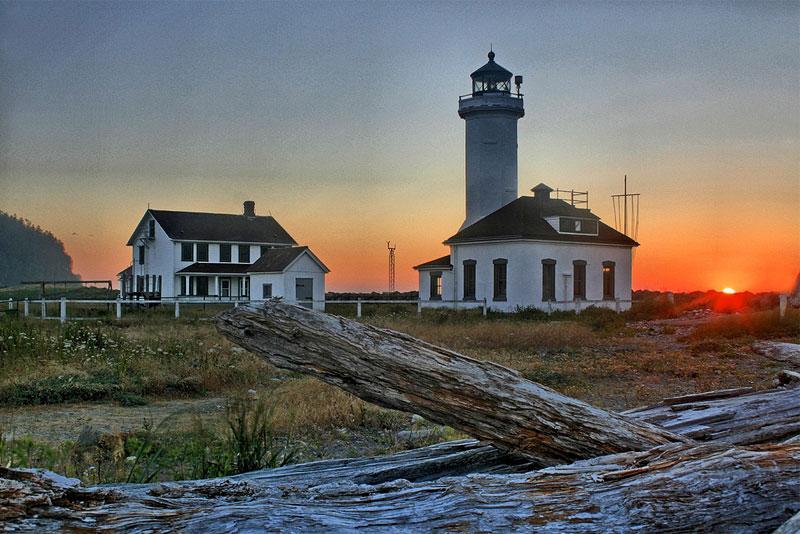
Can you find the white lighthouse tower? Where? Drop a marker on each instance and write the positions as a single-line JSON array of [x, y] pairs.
[[491, 113]]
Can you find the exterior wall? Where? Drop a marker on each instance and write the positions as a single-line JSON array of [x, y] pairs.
[[491, 152], [163, 258], [158, 258], [425, 287], [283, 284], [524, 274]]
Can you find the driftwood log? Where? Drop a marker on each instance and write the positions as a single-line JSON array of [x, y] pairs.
[[394, 370], [677, 487], [733, 416]]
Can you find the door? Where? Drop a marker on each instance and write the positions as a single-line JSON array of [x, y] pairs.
[[225, 287], [201, 286], [304, 291]]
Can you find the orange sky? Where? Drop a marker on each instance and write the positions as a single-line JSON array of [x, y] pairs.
[[341, 121]]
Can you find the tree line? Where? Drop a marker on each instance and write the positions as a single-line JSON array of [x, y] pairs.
[[28, 252]]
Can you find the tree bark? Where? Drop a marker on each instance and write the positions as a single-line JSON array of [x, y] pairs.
[[676, 487], [395, 370]]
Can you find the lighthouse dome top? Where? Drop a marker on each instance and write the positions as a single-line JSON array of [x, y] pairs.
[[491, 77]]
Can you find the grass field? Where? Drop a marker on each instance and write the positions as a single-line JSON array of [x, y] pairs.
[[248, 414]]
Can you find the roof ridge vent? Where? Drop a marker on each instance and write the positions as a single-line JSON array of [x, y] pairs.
[[542, 191]]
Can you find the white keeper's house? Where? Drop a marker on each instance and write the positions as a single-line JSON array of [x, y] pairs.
[[519, 252], [215, 256]]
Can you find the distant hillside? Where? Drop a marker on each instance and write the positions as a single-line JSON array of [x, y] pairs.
[[29, 253]]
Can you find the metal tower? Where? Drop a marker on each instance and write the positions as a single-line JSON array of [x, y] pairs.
[[391, 265]]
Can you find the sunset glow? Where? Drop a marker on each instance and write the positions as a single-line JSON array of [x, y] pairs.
[[340, 120], [729, 291]]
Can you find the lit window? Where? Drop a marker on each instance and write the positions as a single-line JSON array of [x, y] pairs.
[[608, 280], [436, 286]]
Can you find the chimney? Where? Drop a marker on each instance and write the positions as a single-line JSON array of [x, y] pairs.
[[249, 208]]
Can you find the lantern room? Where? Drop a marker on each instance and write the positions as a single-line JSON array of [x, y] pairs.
[[491, 78]]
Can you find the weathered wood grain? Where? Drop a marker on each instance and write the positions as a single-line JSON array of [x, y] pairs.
[[675, 488], [746, 418], [395, 370]]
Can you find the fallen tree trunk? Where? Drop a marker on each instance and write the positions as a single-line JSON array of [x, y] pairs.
[[677, 487], [395, 370], [735, 417]]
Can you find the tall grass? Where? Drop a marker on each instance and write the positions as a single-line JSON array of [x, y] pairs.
[[44, 363]]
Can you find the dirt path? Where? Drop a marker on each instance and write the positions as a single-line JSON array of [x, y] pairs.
[[65, 421]]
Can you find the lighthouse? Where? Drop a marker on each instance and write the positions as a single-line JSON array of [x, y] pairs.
[[491, 113]]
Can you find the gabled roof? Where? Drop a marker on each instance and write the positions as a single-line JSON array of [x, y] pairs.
[[215, 268], [127, 271], [438, 263], [277, 260], [524, 218], [194, 226]]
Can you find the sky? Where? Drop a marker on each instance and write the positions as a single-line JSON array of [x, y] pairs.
[[340, 119]]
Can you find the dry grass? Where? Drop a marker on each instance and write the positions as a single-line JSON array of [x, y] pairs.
[[478, 336]]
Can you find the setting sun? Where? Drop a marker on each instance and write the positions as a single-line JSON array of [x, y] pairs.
[[729, 291]]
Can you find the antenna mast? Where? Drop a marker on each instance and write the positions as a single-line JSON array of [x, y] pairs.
[[391, 265], [625, 220]]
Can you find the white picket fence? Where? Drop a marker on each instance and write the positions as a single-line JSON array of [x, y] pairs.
[[120, 304]]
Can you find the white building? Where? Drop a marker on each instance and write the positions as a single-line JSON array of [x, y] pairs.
[[213, 256], [518, 252]]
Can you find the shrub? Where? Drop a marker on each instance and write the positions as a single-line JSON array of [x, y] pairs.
[[759, 325]]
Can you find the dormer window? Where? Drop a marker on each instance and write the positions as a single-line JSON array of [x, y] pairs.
[[574, 225]]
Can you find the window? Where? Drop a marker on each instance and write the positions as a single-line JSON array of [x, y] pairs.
[[548, 280], [246, 287], [141, 254], [577, 226], [202, 252], [608, 280], [244, 253], [151, 229], [187, 251], [500, 278], [436, 286], [469, 279], [224, 252], [266, 291], [264, 249], [579, 279]]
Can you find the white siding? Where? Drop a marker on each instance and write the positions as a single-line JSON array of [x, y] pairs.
[[157, 256], [283, 284], [524, 274]]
